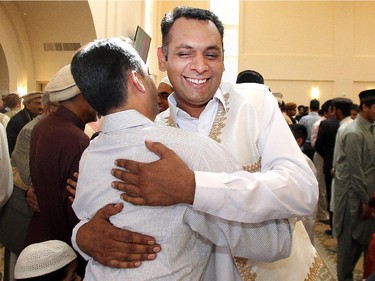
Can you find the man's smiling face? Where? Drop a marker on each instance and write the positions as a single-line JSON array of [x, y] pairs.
[[194, 62]]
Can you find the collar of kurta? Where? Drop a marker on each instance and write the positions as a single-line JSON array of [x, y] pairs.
[[70, 116], [174, 110], [123, 120]]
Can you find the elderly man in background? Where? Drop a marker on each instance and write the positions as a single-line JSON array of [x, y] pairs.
[[12, 234], [56, 146], [32, 108]]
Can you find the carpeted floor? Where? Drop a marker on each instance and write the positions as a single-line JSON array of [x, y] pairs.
[[326, 247]]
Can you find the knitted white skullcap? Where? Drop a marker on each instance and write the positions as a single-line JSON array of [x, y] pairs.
[[165, 80], [42, 258], [62, 86]]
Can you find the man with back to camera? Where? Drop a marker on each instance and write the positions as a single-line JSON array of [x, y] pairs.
[[308, 121], [278, 184]]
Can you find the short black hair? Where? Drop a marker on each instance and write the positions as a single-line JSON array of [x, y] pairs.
[[314, 105], [355, 107], [344, 104], [326, 106], [101, 70], [249, 76], [189, 13], [299, 131]]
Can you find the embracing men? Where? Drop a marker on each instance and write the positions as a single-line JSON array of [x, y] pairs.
[[273, 183]]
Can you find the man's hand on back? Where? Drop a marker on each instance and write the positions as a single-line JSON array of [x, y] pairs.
[[165, 182], [113, 246]]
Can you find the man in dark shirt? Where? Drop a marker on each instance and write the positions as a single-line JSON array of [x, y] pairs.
[[57, 143], [33, 108]]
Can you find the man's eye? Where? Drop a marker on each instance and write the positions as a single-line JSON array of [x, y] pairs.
[[212, 56], [184, 55]]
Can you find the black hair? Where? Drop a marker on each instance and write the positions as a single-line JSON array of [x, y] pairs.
[[344, 105], [355, 107], [189, 13], [326, 105], [101, 70], [314, 105], [368, 103], [299, 131], [249, 76]]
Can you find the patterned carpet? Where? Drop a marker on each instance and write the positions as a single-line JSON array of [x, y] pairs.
[[326, 247]]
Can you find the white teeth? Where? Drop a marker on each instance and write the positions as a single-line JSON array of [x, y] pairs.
[[196, 81]]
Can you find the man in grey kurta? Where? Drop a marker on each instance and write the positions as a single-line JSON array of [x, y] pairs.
[[354, 183]]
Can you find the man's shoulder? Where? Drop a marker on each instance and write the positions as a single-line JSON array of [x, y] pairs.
[[247, 97], [30, 125], [246, 91]]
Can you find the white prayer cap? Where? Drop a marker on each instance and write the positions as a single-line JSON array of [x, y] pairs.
[[62, 86], [42, 258]]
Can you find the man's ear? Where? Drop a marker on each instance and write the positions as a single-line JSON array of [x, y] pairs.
[[299, 141], [137, 81], [161, 59]]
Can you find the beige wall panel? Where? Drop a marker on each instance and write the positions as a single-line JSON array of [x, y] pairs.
[[287, 28], [359, 86], [300, 91], [16, 47], [55, 22], [117, 18], [364, 26]]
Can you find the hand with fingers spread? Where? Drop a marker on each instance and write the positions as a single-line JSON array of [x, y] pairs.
[[165, 182], [31, 199], [71, 187], [113, 246]]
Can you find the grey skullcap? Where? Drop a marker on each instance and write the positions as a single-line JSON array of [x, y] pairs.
[[62, 86], [368, 95], [42, 258]]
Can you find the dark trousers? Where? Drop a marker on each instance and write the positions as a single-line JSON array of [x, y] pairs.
[[348, 250], [328, 181]]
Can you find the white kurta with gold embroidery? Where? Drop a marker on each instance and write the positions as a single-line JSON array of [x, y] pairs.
[[247, 120]]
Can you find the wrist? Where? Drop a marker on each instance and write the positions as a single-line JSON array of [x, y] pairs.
[[190, 190]]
